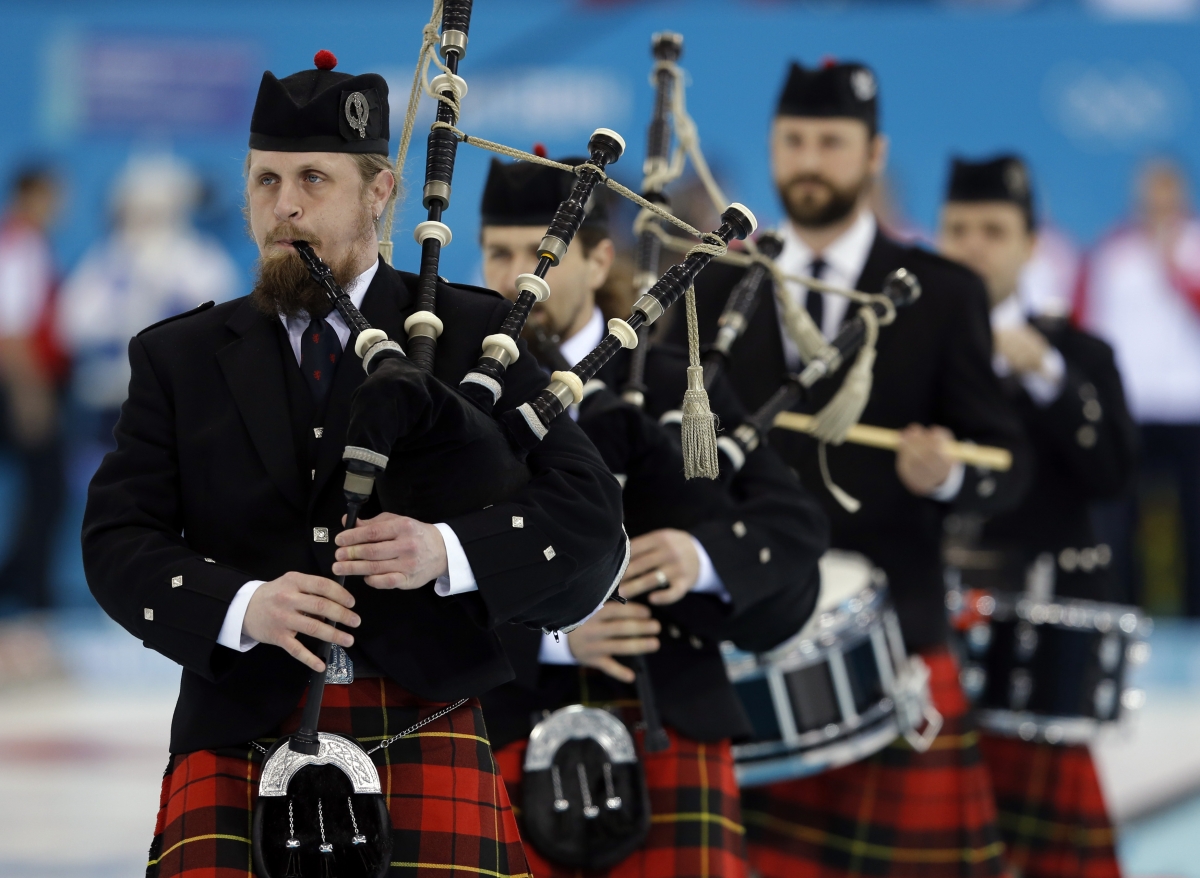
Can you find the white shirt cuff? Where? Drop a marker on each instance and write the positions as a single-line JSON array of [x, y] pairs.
[[231, 629], [1044, 385], [948, 490], [708, 581], [555, 652], [459, 578]]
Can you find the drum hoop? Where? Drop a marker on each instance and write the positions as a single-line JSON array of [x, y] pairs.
[[1037, 727], [1073, 613], [835, 754]]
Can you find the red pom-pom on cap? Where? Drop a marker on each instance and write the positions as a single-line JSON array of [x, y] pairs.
[[539, 150], [828, 61], [325, 60]]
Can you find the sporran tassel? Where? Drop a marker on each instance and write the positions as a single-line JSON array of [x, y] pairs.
[[326, 848], [359, 841], [699, 425]]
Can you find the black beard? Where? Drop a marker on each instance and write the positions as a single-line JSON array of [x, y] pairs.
[[812, 213]]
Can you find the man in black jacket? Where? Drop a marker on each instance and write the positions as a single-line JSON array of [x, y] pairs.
[[932, 381], [1065, 384], [708, 563], [213, 528]]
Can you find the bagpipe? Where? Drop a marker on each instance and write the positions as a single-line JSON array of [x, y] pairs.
[[403, 418]]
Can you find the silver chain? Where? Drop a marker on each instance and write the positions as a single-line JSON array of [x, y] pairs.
[[391, 740], [441, 713], [394, 738]]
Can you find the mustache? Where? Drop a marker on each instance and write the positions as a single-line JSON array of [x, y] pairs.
[[291, 232], [807, 178]]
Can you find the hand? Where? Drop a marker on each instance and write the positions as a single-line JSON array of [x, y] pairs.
[[616, 629], [661, 553], [391, 551], [295, 603], [1023, 347], [921, 459]]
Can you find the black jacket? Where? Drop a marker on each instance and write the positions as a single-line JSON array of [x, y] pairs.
[[764, 536], [207, 490], [1084, 449], [933, 367]]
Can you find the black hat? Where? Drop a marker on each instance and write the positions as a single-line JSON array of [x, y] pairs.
[[830, 91], [526, 194], [1003, 178], [321, 111]]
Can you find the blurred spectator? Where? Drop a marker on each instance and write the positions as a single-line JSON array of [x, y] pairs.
[[1141, 292], [31, 371], [1050, 278], [154, 265]]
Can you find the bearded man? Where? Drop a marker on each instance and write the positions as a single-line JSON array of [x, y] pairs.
[[933, 381], [212, 530]]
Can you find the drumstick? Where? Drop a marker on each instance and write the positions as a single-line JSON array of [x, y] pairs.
[[985, 456]]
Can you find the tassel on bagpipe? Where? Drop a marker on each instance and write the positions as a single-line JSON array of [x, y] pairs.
[[424, 327], [739, 307], [900, 287], [485, 383], [529, 422], [666, 47]]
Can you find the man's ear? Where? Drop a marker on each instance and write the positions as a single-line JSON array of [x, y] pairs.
[[381, 189], [600, 260], [878, 154]]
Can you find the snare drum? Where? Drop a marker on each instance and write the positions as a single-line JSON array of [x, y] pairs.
[[840, 690], [1048, 670]]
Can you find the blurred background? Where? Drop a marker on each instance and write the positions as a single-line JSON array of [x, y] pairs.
[[126, 126]]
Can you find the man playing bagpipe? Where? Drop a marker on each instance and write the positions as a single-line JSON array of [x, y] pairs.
[[709, 563], [212, 530], [898, 810], [1065, 385]]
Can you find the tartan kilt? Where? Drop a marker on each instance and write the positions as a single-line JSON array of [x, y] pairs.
[[695, 822], [1051, 809], [897, 813], [447, 800]]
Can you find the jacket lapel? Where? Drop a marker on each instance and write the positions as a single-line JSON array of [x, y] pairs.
[[382, 307], [253, 370]]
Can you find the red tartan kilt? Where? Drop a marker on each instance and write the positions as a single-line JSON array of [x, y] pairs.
[[695, 824], [447, 801], [897, 813], [1051, 809]]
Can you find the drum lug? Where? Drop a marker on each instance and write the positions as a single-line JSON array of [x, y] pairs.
[[922, 741]]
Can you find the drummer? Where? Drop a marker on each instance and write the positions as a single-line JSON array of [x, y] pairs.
[[899, 809], [1065, 385], [750, 566]]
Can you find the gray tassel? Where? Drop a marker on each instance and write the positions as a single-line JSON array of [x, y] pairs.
[[699, 430], [699, 426]]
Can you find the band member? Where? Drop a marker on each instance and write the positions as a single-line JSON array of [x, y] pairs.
[[933, 381], [212, 530], [708, 563], [1065, 385]]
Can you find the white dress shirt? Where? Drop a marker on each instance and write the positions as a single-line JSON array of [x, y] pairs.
[[1044, 385], [459, 577], [844, 259], [557, 651]]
